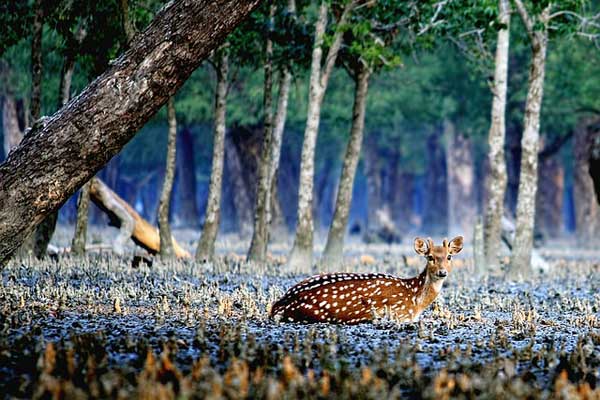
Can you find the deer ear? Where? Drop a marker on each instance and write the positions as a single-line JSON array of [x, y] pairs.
[[455, 245], [421, 246]]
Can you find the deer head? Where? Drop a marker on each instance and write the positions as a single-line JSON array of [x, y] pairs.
[[438, 257]]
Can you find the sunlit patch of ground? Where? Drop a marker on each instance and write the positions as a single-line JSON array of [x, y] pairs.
[[178, 329]]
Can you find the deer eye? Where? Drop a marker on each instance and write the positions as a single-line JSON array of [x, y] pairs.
[[430, 258], [449, 257]]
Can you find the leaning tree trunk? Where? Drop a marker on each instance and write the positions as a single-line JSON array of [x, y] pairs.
[[107, 114], [206, 244], [166, 243], [45, 230], [335, 239], [262, 209], [587, 211], [497, 177], [131, 225], [302, 252], [35, 103], [521, 254], [462, 205]]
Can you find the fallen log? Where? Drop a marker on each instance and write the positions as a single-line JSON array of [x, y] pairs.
[[130, 223]]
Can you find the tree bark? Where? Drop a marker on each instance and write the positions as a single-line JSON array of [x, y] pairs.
[[130, 223], [45, 230], [497, 177], [521, 255], [462, 206], [206, 244], [262, 208], [335, 239], [107, 114], [79, 237], [166, 243], [587, 211], [302, 252]]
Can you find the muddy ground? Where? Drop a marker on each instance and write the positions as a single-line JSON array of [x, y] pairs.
[[98, 327]]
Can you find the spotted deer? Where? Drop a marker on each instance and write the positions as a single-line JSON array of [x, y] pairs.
[[352, 298]]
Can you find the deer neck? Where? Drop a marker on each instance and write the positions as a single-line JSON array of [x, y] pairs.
[[429, 290]]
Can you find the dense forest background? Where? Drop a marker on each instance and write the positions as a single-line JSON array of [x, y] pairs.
[[426, 125]]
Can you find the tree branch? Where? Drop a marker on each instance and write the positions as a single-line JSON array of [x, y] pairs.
[[337, 42], [527, 21]]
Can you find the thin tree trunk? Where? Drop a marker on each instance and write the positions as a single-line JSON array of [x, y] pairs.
[[497, 178], [521, 255], [79, 238], [36, 62], [166, 243], [462, 206], [206, 244], [35, 103], [45, 230], [302, 252], [108, 113], [262, 209], [128, 27], [335, 239]]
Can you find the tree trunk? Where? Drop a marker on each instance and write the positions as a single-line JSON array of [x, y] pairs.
[[262, 208], [335, 239], [302, 252], [549, 202], [45, 230], [462, 206], [185, 192], [79, 238], [206, 244], [35, 105], [10, 124], [521, 255], [107, 114], [587, 212], [130, 223], [166, 243], [497, 178]]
